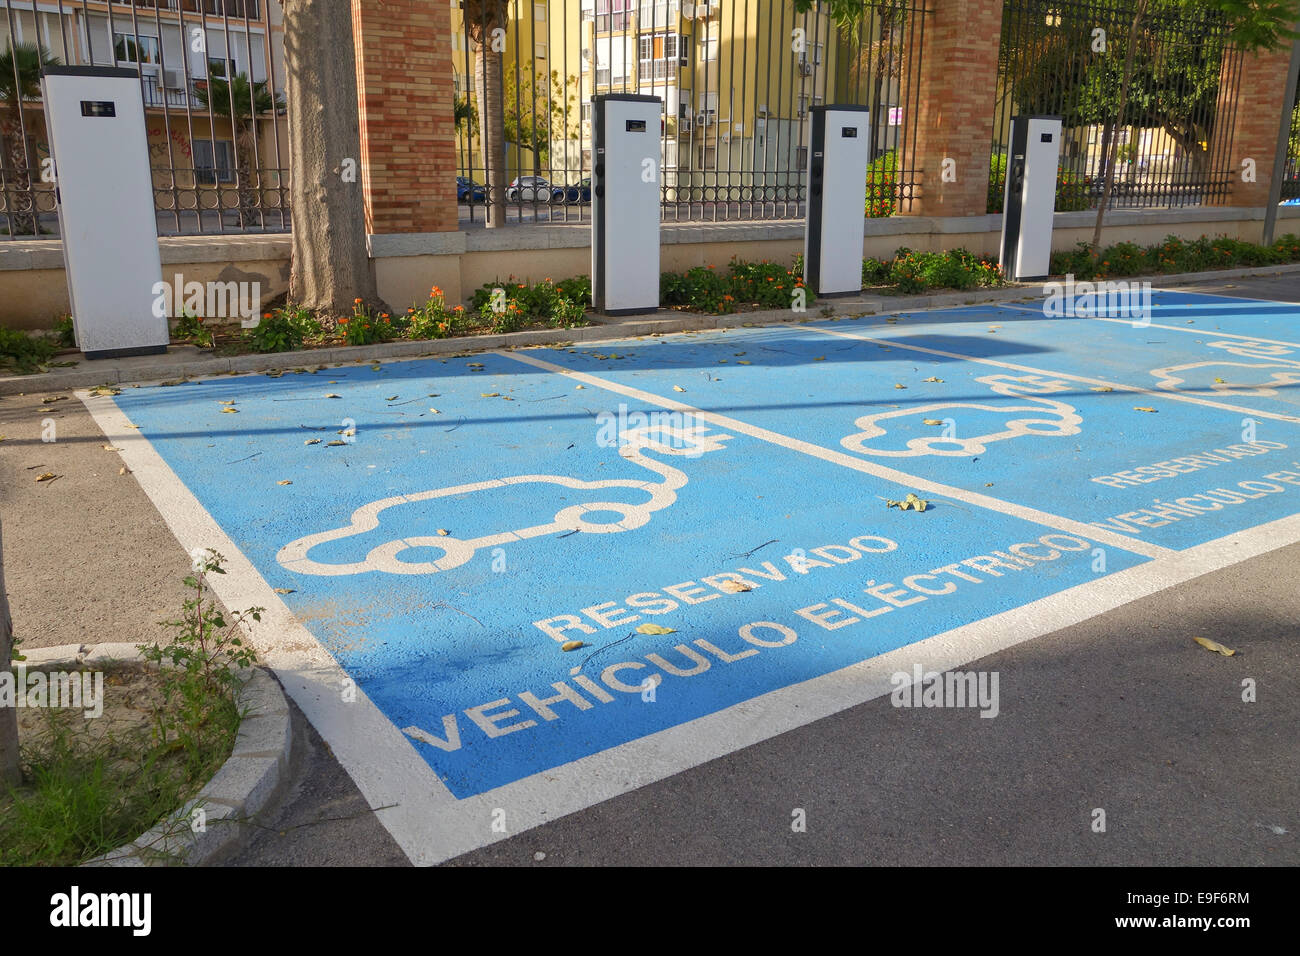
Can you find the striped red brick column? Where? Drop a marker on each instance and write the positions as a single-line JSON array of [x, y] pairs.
[[406, 102], [1249, 110], [955, 98]]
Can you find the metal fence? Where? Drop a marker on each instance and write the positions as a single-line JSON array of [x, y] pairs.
[[737, 79], [211, 76], [1066, 57], [1291, 171]]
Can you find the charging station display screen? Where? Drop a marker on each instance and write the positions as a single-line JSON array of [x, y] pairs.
[[849, 132], [98, 108], [636, 126]]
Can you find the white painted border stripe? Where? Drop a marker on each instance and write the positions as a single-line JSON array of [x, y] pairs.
[[988, 502], [996, 363]]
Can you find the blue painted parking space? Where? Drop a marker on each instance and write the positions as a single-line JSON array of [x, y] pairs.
[[446, 528]]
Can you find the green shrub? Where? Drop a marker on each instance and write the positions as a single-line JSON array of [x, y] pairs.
[[189, 328], [282, 330], [64, 333], [25, 353]]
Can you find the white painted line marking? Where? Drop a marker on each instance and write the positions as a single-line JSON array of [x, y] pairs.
[[1118, 386], [857, 464]]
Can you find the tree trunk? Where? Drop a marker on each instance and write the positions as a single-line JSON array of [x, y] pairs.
[[331, 265], [1119, 118], [492, 131], [10, 769], [247, 176]]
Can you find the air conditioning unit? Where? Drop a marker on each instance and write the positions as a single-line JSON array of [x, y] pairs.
[[175, 79], [688, 11], [704, 119], [685, 124], [805, 68]]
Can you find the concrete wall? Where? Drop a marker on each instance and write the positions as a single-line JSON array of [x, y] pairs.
[[33, 290]]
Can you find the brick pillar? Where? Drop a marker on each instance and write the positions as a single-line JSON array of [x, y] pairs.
[[954, 98], [1249, 110], [407, 106]]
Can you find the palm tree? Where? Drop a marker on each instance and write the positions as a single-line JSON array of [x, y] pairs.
[[20, 80], [241, 102], [483, 18]]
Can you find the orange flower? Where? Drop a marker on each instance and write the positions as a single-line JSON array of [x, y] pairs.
[[437, 291], [459, 308], [409, 311], [343, 321], [356, 301], [266, 315], [383, 315]]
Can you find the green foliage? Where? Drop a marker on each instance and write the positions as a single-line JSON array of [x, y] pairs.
[[25, 353], [434, 320], [705, 289], [283, 330], [220, 94], [64, 333], [560, 304], [367, 328], [1173, 255], [1071, 189], [201, 680], [881, 185], [190, 328], [916, 271]]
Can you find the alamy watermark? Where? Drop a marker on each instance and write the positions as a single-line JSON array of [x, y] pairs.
[[1112, 300], [674, 432], [210, 300], [69, 690], [950, 689]]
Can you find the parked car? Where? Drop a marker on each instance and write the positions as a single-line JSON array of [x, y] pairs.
[[578, 192], [469, 191], [528, 189]]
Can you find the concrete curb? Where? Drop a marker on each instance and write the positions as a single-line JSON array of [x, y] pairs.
[[254, 773], [187, 362]]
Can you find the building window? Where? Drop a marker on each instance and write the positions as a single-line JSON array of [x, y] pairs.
[[801, 157], [540, 50], [130, 48], [222, 68], [661, 53], [539, 11], [214, 162], [658, 13], [613, 15]]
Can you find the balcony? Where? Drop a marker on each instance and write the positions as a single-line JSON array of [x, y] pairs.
[[213, 8]]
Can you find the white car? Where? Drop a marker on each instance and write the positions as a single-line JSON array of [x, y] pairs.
[[528, 189]]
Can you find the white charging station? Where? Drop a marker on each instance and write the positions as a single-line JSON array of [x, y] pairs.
[[625, 202], [837, 196], [1026, 248], [104, 193]]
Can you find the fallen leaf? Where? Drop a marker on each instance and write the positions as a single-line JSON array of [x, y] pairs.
[[48, 476], [435, 411], [580, 386], [332, 395], [743, 362], [572, 645], [820, 358], [444, 532], [1142, 408], [1102, 388], [105, 390], [284, 591], [312, 441], [124, 471], [227, 401], [285, 482], [678, 388], [391, 398], [230, 410], [54, 398], [1220, 381], [490, 394], [932, 421], [175, 381], [933, 378], [734, 587], [129, 425], [111, 448], [1215, 646], [346, 432], [911, 501], [655, 629], [331, 444], [899, 385]]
